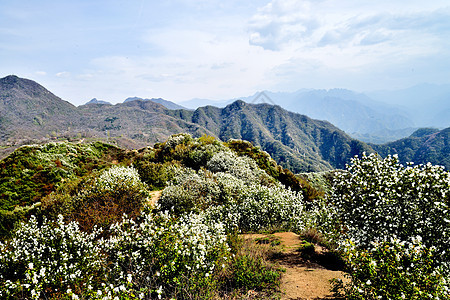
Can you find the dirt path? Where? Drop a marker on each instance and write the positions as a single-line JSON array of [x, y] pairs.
[[304, 279], [155, 196]]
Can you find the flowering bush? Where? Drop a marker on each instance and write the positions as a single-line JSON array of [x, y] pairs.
[[190, 190], [177, 139], [154, 256], [380, 198], [261, 208], [44, 261], [237, 200], [392, 269], [241, 167], [394, 228], [166, 256], [116, 191], [193, 153]]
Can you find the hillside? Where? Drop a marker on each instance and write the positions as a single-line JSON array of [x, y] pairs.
[[29, 111], [31, 173], [32, 114], [196, 218], [355, 113], [295, 141], [423, 146]]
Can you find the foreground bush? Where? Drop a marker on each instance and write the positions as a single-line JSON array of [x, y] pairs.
[[180, 256], [393, 227], [46, 260], [154, 256], [392, 269], [380, 198]]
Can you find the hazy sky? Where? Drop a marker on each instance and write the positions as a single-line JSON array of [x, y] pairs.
[[183, 49]]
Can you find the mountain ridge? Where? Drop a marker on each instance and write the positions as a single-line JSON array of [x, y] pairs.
[[356, 113], [167, 104], [297, 141], [294, 140]]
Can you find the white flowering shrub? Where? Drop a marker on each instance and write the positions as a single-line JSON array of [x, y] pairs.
[[190, 190], [49, 260], [379, 200], [164, 256], [153, 256], [177, 139], [237, 200], [392, 269], [116, 191], [118, 178], [261, 208], [241, 167]]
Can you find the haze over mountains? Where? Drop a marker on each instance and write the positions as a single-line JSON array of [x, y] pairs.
[[30, 113], [376, 117]]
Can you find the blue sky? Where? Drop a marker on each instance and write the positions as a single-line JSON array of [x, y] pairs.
[[183, 49]]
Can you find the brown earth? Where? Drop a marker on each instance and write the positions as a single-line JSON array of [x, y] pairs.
[[154, 197], [304, 279]]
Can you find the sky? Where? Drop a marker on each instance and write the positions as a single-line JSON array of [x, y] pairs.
[[184, 49]]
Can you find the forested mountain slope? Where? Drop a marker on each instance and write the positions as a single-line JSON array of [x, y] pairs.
[[423, 146], [32, 114]]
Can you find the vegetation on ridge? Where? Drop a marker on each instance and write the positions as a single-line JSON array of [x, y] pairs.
[[96, 234]]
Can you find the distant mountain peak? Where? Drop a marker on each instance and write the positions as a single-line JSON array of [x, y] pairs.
[[13, 81], [10, 78], [96, 101], [167, 104]]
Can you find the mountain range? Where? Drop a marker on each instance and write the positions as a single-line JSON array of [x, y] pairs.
[[96, 101], [427, 104], [32, 114], [375, 117], [165, 103]]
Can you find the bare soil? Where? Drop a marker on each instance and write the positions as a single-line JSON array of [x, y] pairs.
[[306, 278], [155, 195]]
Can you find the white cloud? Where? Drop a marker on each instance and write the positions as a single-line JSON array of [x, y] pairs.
[[183, 49], [281, 22], [303, 23], [332, 43], [63, 74]]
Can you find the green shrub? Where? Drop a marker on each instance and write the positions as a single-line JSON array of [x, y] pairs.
[[392, 269], [306, 249], [250, 268], [190, 191], [155, 175], [31, 173], [115, 192]]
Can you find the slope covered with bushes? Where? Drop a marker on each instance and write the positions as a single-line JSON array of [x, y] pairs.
[[97, 234]]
